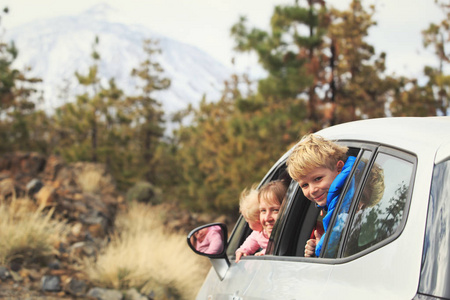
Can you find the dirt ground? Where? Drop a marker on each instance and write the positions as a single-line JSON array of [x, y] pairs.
[[18, 292]]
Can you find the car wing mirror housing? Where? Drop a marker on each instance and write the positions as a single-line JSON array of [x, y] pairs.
[[211, 240]]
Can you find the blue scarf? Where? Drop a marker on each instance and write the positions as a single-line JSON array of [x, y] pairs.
[[333, 197]]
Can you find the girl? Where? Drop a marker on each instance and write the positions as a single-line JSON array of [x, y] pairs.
[[269, 199]]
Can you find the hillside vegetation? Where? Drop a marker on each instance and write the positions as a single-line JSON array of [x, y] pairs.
[[64, 237]]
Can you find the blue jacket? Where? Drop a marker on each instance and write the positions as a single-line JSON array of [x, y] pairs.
[[333, 197]]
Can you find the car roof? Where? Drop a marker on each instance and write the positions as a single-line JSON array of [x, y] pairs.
[[414, 134]]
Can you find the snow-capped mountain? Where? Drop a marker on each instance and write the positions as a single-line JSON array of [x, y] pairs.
[[56, 48]]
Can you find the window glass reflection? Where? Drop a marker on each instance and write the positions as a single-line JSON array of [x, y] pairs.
[[382, 203]]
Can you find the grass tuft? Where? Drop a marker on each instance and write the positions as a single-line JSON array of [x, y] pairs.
[[27, 234], [145, 256]]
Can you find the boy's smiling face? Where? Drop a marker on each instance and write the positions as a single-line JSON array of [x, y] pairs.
[[315, 185]]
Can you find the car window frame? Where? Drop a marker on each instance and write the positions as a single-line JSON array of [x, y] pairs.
[[397, 153]]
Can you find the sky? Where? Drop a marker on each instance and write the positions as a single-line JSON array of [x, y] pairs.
[[206, 24]]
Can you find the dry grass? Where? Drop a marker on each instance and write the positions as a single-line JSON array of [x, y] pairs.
[[27, 234], [90, 181], [145, 256]]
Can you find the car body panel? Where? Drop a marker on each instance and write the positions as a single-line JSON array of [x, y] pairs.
[[269, 279]]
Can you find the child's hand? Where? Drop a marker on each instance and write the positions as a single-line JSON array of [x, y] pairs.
[[239, 255], [260, 253], [310, 247]]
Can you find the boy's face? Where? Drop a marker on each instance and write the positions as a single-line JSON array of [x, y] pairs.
[[268, 214], [315, 185]]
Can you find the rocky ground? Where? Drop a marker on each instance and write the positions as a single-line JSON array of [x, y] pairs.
[[88, 203]]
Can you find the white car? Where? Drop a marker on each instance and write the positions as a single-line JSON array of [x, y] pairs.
[[398, 249]]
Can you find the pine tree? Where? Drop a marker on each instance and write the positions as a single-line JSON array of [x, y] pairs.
[[358, 88], [411, 99], [438, 37], [87, 127], [145, 110], [292, 53], [16, 105], [90, 102]]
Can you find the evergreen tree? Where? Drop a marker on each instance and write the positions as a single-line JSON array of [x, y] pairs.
[[411, 99], [358, 87], [16, 105], [87, 127], [90, 102], [438, 37], [145, 110], [292, 53]]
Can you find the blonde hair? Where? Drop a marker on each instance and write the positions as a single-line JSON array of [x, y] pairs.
[[314, 151], [374, 189], [249, 205], [273, 192]]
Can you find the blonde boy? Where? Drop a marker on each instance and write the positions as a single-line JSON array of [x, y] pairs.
[[320, 167]]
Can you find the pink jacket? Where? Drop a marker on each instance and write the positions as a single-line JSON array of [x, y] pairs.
[[255, 241], [212, 243]]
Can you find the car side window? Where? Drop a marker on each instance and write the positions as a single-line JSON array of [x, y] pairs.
[[381, 204], [342, 215]]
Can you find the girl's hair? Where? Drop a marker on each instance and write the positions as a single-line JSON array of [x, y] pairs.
[[374, 189], [249, 205], [273, 191], [313, 151]]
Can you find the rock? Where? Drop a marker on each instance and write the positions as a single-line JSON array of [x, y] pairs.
[[133, 294], [34, 186], [52, 167], [7, 188], [4, 273], [46, 196], [22, 163], [30, 274], [51, 284], [105, 294], [76, 287], [77, 229], [16, 276], [54, 264]]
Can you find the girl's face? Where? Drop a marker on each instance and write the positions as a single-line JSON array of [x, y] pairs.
[[268, 214]]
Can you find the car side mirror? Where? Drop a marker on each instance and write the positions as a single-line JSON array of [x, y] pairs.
[[211, 241]]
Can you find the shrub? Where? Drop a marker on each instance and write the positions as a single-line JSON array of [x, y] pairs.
[[144, 192], [143, 255], [27, 234]]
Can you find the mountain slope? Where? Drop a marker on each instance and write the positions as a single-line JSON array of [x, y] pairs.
[[56, 48]]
